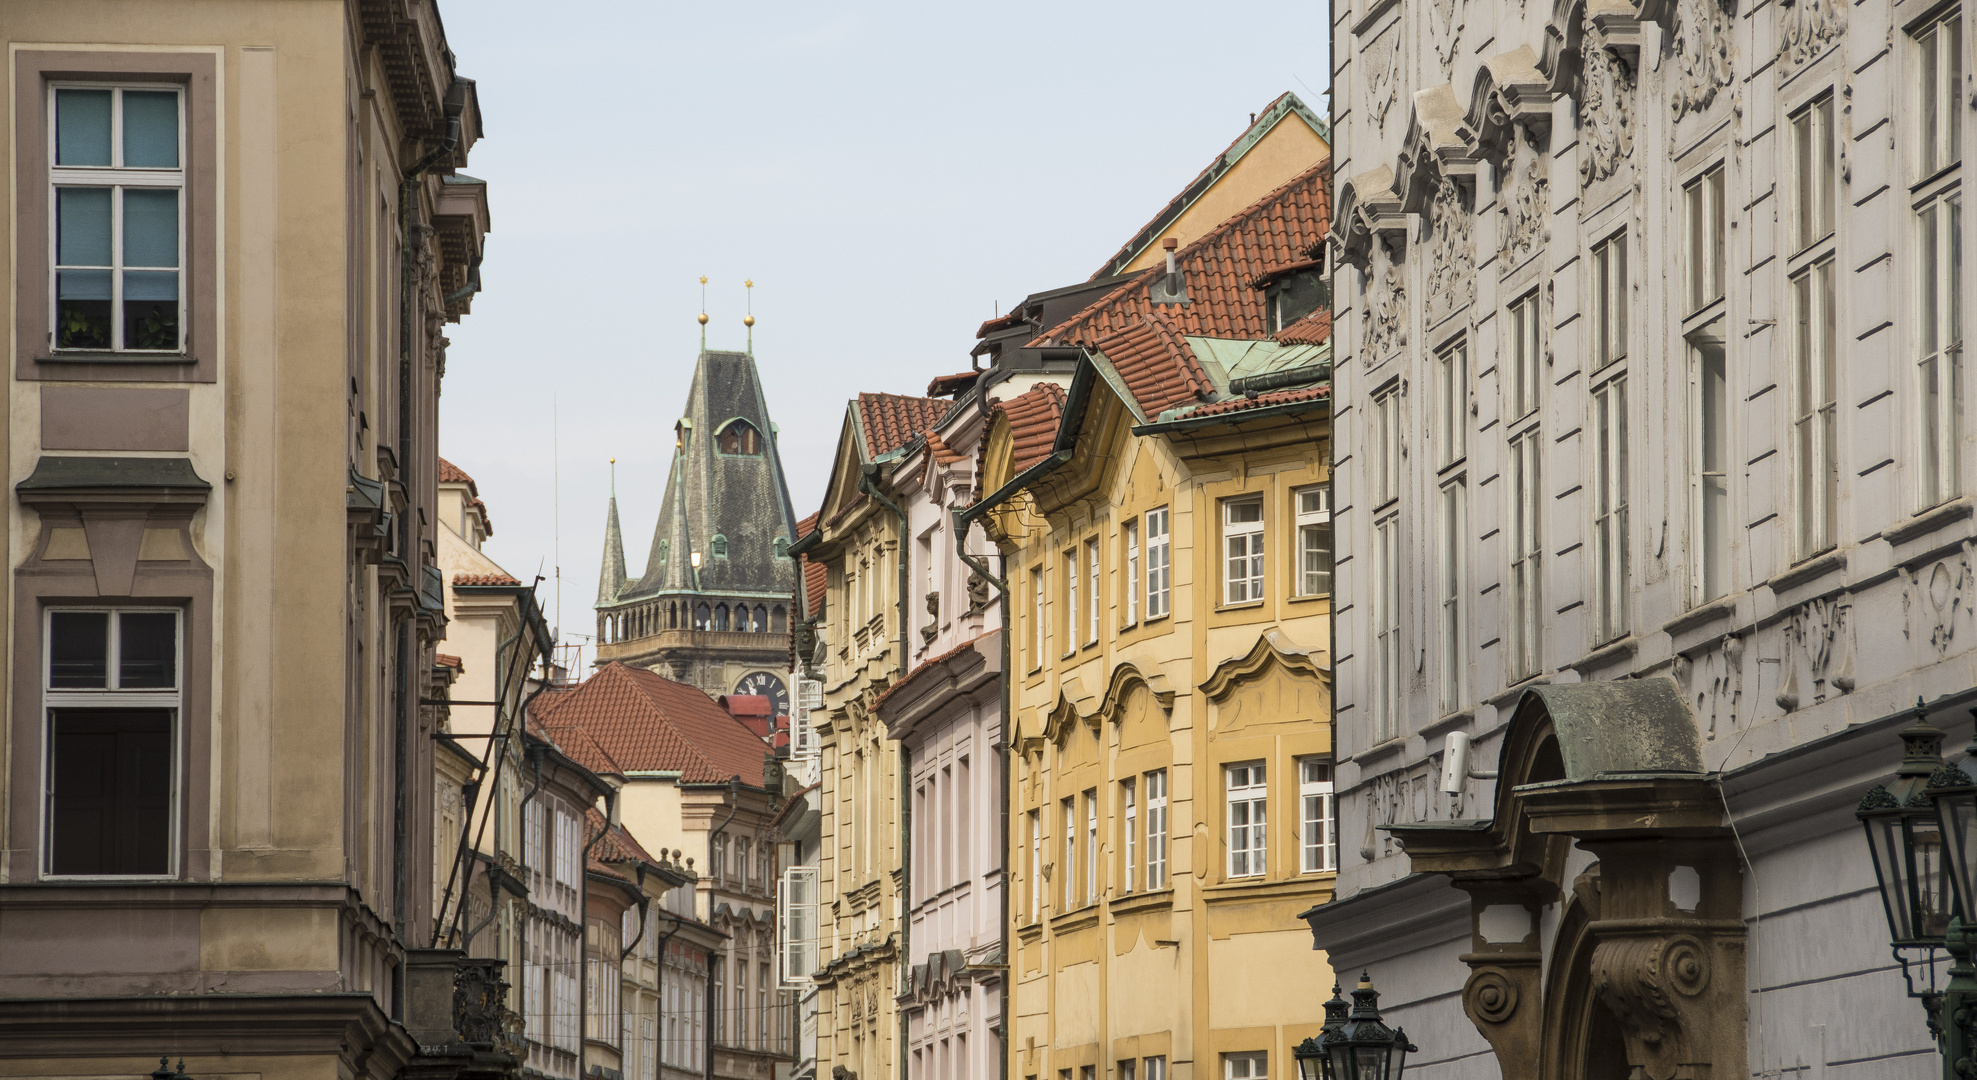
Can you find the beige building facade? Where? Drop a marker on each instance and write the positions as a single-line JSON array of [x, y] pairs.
[[235, 236]]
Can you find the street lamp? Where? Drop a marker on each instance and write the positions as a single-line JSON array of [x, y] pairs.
[[164, 1070], [1364, 1047], [1312, 1064]]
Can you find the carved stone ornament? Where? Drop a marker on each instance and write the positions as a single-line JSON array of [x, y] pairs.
[[978, 593], [1714, 683], [1606, 110], [1932, 597], [1807, 27], [1446, 29], [1381, 58], [1526, 203], [1649, 983], [1383, 318], [1452, 254], [1818, 653], [1702, 55]]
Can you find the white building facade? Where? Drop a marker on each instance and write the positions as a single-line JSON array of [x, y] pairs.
[[1652, 477]]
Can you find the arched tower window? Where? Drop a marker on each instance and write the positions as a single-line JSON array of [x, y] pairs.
[[720, 546], [721, 617], [673, 616], [781, 548], [761, 624], [701, 616], [779, 620], [740, 437]]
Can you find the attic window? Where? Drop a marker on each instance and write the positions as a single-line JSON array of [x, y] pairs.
[[720, 546], [782, 548], [741, 437], [1293, 296]]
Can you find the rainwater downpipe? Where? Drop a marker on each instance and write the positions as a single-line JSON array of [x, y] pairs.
[[713, 837], [962, 520], [456, 102], [867, 483]]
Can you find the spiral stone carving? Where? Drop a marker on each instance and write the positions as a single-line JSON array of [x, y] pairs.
[[1685, 966], [1492, 997]]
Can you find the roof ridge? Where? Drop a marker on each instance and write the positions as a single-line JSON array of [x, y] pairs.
[[664, 716]]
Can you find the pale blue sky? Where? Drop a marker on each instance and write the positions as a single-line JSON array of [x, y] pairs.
[[888, 174]]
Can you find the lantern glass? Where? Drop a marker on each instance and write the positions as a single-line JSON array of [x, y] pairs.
[[1369, 1063], [1956, 814], [1311, 1061], [1934, 900], [1397, 1055]]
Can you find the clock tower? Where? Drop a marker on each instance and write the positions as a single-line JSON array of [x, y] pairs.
[[713, 606]]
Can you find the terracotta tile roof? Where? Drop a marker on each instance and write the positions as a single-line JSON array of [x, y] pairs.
[[949, 385], [617, 845], [450, 473], [1313, 329], [643, 721], [815, 574], [892, 420], [484, 579], [444, 660], [942, 453], [1001, 322], [927, 663], [578, 745], [1263, 400], [1271, 235], [1033, 416]]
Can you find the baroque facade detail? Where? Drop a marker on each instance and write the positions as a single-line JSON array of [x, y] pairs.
[[1702, 56], [1452, 255], [1932, 598], [1807, 27], [1526, 203], [1383, 321], [1381, 56], [1606, 110]]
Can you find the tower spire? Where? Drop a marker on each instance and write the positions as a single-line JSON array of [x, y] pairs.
[[611, 576], [748, 320], [703, 313]]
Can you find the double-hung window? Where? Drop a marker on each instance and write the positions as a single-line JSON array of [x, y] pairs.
[[1242, 542], [1251, 1065], [1709, 448], [1314, 540], [1069, 871], [1385, 608], [1248, 811], [1091, 591], [1036, 619], [1071, 609], [1452, 525], [1130, 817], [117, 189], [1036, 864], [1702, 237], [111, 689], [1525, 654], [1156, 829], [1938, 202], [1452, 402], [1316, 840], [1131, 592], [1815, 363], [1526, 347], [1611, 549], [1609, 300], [1158, 553], [1091, 845]]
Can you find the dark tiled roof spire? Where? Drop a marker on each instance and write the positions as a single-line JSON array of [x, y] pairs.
[[611, 577]]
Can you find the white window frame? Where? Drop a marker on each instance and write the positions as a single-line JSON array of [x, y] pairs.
[[1612, 544], [1385, 615], [1938, 83], [1036, 864], [1242, 551], [1154, 1067], [1037, 618], [1703, 238], [112, 696], [1071, 610], [1610, 296], [117, 178], [1937, 45], [1156, 829], [1815, 406], [1246, 1065], [1526, 645], [1070, 817], [1317, 817], [1131, 541], [1814, 168], [1091, 845], [1246, 789], [1453, 519], [1092, 592], [1452, 402], [1130, 815], [1159, 568], [1526, 382], [1313, 508], [1386, 445], [1709, 453]]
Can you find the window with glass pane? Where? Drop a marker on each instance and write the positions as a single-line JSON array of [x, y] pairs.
[[1610, 538], [1813, 168], [1314, 540], [1939, 73], [1709, 446], [1702, 207], [1526, 553], [1454, 512], [1069, 871], [1091, 845], [111, 691], [1036, 619], [1130, 816], [1091, 591], [1132, 576], [1157, 570], [1386, 628], [1386, 446], [1155, 1068], [1316, 840], [1526, 375], [117, 183], [1036, 864], [1156, 829], [1252, 1065], [1070, 616], [1816, 407], [1242, 542], [1248, 799], [1939, 332], [1452, 401], [1610, 300]]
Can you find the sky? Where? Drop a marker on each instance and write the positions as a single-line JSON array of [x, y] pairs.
[[889, 176]]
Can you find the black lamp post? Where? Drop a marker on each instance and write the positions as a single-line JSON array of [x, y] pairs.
[[1312, 1063], [1362, 1047], [1922, 835]]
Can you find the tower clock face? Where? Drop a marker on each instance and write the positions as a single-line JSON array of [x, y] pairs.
[[767, 685]]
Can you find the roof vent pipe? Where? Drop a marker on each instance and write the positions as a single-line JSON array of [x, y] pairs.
[[1169, 245]]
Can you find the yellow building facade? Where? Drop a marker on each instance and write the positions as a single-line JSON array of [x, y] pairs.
[[1165, 533]]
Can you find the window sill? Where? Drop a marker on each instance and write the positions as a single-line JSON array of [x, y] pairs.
[[1246, 605], [1811, 569], [1379, 750], [1611, 652], [116, 358], [1450, 722], [1720, 608], [1309, 597], [1927, 521], [1134, 903], [1075, 919]]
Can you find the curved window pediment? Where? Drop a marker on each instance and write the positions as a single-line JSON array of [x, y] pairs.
[[740, 437]]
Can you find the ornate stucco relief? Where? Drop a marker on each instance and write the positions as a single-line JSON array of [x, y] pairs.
[[1525, 202], [1446, 29], [1606, 110], [1451, 254], [1702, 55], [1932, 597], [1807, 27], [1381, 57], [1383, 318], [1817, 653], [1714, 683]]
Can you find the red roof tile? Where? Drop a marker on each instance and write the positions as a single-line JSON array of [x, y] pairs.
[[1313, 329], [1272, 234], [444, 660], [617, 845], [450, 473], [644, 721], [942, 452], [892, 420], [1262, 401], [1033, 416], [927, 663], [578, 745], [815, 574], [484, 579], [951, 385]]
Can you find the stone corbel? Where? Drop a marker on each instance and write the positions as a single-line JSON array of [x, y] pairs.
[[1619, 26], [1662, 987], [1505, 992]]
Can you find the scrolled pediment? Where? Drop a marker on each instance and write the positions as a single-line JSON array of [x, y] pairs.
[[1273, 649]]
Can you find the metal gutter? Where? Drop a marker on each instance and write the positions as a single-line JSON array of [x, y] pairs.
[[1185, 423]]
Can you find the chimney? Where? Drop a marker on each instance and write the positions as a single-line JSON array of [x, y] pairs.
[[1172, 289], [1168, 245]]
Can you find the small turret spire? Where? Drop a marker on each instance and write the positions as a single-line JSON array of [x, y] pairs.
[[703, 313], [748, 320], [611, 576]]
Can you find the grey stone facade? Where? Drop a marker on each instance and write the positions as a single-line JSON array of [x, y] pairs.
[[1648, 334]]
